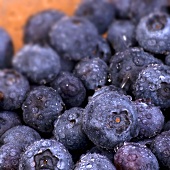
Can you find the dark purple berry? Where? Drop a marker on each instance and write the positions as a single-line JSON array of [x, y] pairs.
[[42, 106]]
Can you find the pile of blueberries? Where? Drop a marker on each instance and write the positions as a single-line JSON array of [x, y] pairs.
[[90, 91]]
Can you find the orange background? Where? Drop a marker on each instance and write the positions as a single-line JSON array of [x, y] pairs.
[[14, 13]]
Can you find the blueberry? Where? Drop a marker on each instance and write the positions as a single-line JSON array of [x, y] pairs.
[[105, 152], [126, 65], [76, 47], [10, 155], [68, 129], [150, 119], [144, 7], [109, 119], [135, 156], [161, 148], [6, 49], [94, 161], [100, 13], [166, 126], [153, 33], [103, 50], [13, 89], [92, 72], [122, 8], [153, 83], [70, 88], [20, 135], [8, 120], [40, 64], [42, 106], [37, 27], [46, 154], [121, 35]]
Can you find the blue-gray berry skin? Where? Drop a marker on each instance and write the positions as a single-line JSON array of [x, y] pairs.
[[70, 88], [8, 120], [135, 156], [153, 83], [109, 119], [10, 155], [94, 161], [121, 35], [21, 134], [74, 38], [93, 72], [153, 33], [150, 119], [144, 8], [122, 8], [13, 89], [105, 152], [100, 13], [68, 129], [126, 65], [103, 50], [40, 64], [46, 154], [161, 148], [42, 106], [37, 27], [6, 49]]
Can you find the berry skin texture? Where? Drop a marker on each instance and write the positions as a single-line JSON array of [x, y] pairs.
[[46, 154], [39, 64], [153, 33], [8, 120], [161, 148], [94, 161], [100, 13], [13, 89], [6, 49], [68, 129], [150, 119], [37, 27], [126, 65], [110, 119], [42, 106], [70, 88], [153, 83], [135, 156], [121, 35], [10, 155], [22, 135], [76, 47], [92, 72]]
